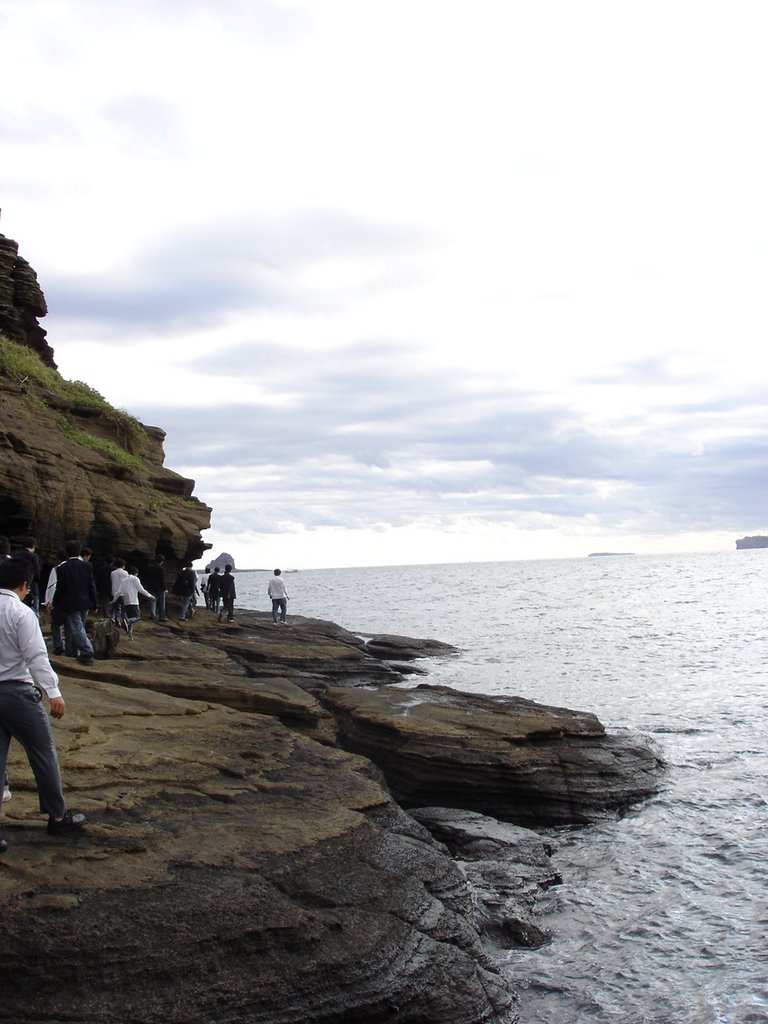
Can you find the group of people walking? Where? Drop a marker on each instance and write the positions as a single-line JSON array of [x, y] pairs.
[[73, 590], [220, 592]]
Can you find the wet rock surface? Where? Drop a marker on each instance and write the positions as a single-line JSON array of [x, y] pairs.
[[507, 757]]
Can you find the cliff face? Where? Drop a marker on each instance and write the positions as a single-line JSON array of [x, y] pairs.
[[61, 476], [70, 464], [22, 302]]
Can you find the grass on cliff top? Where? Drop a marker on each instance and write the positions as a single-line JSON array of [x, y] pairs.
[[23, 366]]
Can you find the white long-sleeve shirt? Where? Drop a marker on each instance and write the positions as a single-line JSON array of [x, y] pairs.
[[276, 588], [23, 654], [129, 589], [116, 577]]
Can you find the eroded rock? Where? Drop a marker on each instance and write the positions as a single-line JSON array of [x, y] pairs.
[[232, 870], [506, 757]]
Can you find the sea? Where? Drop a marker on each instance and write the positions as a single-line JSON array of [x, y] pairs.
[[662, 915]]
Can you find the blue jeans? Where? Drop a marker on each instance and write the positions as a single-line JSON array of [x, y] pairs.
[[157, 607], [74, 625], [279, 604]]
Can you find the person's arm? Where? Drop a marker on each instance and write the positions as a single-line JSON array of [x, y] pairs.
[[50, 590], [35, 654]]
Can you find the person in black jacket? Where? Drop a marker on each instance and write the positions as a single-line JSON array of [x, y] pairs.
[[29, 555], [75, 596], [227, 593], [153, 578], [185, 587]]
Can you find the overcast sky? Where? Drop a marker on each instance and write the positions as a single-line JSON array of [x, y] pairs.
[[410, 280]]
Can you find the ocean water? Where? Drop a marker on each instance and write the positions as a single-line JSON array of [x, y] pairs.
[[663, 914]]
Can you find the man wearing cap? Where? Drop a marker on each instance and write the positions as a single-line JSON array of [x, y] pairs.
[[25, 672]]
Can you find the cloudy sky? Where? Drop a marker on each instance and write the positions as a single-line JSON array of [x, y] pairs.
[[410, 280]]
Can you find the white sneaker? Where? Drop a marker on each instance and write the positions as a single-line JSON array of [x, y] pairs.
[[7, 794]]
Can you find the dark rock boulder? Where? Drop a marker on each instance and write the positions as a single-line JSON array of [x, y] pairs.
[[406, 648], [506, 757], [508, 868]]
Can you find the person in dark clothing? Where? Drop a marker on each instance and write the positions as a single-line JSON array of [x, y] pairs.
[[228, 594], [186, 588], [214, 589], [58, 629], [153, 578], [28, 555], [75, 596], [103, 576]]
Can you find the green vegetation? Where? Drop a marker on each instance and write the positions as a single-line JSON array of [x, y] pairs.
[[101, 444], [24, 367]]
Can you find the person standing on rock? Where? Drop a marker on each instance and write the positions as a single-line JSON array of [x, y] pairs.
[[185, 587], [25, 672], [276, 590], [29, 555], [154, 579], [227, 593], [214, 589], [76, 596], [130, 588], [116, 577]]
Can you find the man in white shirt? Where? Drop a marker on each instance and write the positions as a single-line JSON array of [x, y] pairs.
[[118, 574], [278, 593], [25, 672]]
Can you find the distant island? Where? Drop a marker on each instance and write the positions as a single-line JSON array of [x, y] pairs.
[[608, 554], [751, 542]]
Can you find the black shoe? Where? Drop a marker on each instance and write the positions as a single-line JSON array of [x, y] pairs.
[[85, 661], [58, 650], [3, 846], [70, 825]]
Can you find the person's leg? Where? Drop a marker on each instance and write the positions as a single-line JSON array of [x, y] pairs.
[[283, 609], [24, 717], [57, 634], [186, 602], [76, 626], [275, 606], [161, 607]]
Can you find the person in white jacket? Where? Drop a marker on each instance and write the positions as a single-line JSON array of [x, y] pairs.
[[129, 589]]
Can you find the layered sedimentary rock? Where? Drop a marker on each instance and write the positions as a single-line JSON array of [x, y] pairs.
[[22, 302], [54, 485], [502, 756], [240, 864]]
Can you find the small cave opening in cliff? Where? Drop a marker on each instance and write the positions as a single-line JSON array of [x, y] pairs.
[[14, 522]]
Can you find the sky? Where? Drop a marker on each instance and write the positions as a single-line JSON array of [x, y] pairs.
[[416, 280]]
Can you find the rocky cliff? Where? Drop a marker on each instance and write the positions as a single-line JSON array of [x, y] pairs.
[[22, 302], [70, 464]]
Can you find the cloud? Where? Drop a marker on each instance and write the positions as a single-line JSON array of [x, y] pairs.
[[365, 454], [198, 277]]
